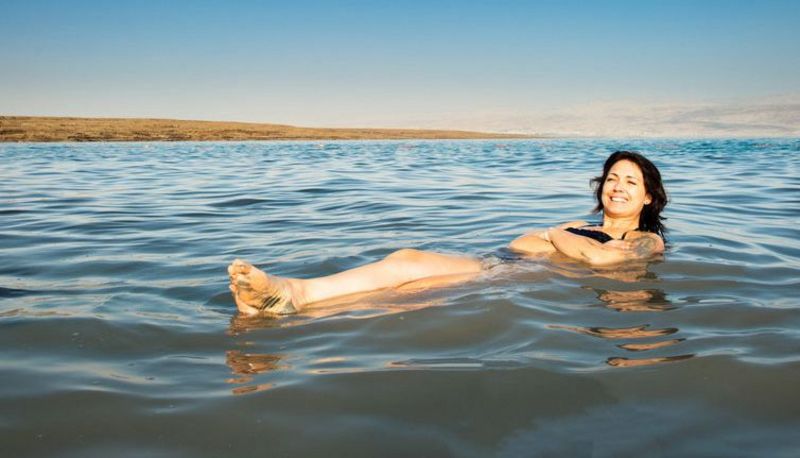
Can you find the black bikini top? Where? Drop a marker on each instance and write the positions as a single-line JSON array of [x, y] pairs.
[[600, 236]]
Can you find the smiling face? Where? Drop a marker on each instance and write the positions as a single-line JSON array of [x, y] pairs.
[[624, 194]]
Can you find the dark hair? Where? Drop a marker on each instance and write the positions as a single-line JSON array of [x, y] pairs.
[[650, 220]]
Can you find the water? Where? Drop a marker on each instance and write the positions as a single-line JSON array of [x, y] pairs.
[[118, 336]]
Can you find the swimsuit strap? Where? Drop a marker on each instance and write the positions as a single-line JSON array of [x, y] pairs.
[[600, 236], [600, 225], [596, 234]]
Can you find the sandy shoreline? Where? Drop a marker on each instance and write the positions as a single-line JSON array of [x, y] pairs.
[[66, 129]]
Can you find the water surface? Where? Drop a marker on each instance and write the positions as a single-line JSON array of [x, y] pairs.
[[118, 336]]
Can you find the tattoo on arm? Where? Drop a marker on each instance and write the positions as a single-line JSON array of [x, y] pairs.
[[643, 247]]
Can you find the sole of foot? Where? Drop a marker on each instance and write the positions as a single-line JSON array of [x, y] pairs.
[[255, 292]]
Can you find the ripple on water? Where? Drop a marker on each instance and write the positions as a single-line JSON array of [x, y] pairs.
[[119, 337]]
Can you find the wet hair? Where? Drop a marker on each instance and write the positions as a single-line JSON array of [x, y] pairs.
[[650, 219]]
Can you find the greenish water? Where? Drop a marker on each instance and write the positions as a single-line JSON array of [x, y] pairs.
[[118, 335]]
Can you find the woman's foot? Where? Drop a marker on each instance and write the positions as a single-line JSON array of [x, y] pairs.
[[254, 291]]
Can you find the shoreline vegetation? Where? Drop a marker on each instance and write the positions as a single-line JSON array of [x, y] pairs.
[[69, 129]]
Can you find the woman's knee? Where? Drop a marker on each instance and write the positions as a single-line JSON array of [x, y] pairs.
[[406, 254]]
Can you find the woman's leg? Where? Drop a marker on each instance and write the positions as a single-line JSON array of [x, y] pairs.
[[255, 290]]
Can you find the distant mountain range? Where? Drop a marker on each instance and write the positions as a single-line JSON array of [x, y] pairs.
[[777, 116]]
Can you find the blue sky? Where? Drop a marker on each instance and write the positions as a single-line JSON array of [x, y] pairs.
[[410, 63]]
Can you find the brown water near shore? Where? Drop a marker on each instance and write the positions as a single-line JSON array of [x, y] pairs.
[[58, 129]]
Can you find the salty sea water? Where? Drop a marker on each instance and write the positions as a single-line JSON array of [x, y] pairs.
[[119, 337]]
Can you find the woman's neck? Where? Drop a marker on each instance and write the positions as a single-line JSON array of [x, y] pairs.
[[618, 226]]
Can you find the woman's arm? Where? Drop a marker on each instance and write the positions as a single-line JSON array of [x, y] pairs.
[[538, 242], [595, 253]]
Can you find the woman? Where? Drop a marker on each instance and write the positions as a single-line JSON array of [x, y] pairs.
[[629, 193]]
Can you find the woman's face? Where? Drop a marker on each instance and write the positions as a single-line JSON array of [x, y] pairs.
[[624, 193]]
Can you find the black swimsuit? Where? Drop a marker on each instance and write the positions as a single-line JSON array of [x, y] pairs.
[[600, 236]]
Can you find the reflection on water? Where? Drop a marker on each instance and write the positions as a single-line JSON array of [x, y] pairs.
[[630, 272], [357, 306], [241, 324], [636, 332], [389, 302], [649, 346], [627, 362], [246, 365], [249, 364], [640, 300], [117, 302], [644, 300]]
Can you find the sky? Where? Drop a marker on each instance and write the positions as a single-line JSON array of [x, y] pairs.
[[642, 68]]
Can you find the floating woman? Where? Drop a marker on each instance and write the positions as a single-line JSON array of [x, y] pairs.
[[629, 193]]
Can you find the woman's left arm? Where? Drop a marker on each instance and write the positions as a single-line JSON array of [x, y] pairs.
[[599, 254]]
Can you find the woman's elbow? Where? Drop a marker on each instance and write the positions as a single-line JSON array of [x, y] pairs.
[[531, 244]]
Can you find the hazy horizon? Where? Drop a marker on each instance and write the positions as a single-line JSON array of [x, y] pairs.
[[624, 68]]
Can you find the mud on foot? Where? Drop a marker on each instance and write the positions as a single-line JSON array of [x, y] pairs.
[[257, 292]]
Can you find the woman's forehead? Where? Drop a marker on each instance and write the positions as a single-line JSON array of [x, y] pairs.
[[626, 168]]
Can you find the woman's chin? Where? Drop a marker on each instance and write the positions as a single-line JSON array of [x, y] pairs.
[[621, 211]]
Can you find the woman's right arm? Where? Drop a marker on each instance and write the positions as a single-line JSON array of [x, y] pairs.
[[538, 242]]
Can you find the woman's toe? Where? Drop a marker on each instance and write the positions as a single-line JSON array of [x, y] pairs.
[[241, 267]]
